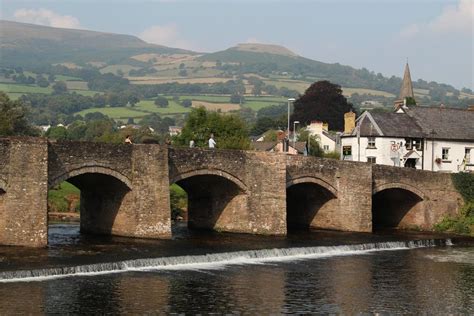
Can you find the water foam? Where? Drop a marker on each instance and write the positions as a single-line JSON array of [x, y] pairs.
[[214, 260]]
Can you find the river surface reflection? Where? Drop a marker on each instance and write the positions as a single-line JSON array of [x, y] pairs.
[[434, 280]]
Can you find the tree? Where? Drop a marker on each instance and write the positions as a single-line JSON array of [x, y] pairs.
[[162, 102], [322, 101], [42, 81], [312, 143], [187, 103], [57, 132], [59, 87], [13, 118], [237, 99], [183, 73], [229, 131]]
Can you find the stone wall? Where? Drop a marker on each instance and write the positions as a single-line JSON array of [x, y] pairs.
[[347, 187], [23, 205], [251, 185], [124, 188], [437, 194]]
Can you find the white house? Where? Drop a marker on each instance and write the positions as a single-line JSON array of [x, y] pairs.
[[428, 138], [320, 130]]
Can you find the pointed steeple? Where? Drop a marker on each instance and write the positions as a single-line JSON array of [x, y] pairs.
[[407, 87]]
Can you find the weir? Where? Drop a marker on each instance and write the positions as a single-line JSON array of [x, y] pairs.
[[214, 260], [125, 190]]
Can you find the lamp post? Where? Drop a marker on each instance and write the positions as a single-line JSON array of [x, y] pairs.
[[294, 132], [433, 135], [290, 100]]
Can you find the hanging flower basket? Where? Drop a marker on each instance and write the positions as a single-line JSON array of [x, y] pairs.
[[438, 160]]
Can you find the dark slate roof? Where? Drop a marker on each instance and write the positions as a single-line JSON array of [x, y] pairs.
[[263, 146], [396, 124], [299, 146], [448, 123], [418, 121], [330, 136]]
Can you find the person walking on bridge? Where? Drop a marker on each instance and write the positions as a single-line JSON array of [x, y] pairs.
[[212, 142]]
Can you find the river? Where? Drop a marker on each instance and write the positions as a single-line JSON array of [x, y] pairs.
[[196, 272]]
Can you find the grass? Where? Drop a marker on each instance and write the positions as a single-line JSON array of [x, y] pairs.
[[150, 107], [59, 198], [115, 68], [23, 88], [115, 113], [77, 85], [351, 91], [299, 86], [65, 78]]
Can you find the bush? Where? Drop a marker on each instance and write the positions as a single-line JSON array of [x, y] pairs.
[[464, 223], [187, 103], [464, 183], [162, 102]]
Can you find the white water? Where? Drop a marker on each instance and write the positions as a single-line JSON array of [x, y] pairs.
[[213, 260]]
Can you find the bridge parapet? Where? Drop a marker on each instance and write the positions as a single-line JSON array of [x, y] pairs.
[[67, 159]]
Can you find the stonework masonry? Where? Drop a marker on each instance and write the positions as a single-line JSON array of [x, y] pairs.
[[125, 190]]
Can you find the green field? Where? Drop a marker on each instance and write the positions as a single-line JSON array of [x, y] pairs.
[[140, 110], [115, 113], [148, 106], [23, 88]]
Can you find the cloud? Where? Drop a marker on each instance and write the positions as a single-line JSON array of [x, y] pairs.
[[46, 17], [166, 35], [457, 19]]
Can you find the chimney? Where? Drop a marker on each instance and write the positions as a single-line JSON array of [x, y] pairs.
[[325, 127], [349, 122]]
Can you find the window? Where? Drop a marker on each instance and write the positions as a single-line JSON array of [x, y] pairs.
[[445, 154], [371, 142], [408, 143], [326, 147], [371, 159], [417, 144], [467, 156], [347, 150]]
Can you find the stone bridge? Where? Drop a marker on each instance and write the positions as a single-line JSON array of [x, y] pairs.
[[125, 191]]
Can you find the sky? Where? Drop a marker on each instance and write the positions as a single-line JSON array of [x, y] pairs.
[[436, 37]]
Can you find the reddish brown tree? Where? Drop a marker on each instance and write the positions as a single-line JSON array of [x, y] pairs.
[[322, 101]]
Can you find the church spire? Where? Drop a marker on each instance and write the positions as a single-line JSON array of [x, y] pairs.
[[407, 87]]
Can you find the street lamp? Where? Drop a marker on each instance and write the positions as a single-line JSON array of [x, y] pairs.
[[294, 132], [290, 100]]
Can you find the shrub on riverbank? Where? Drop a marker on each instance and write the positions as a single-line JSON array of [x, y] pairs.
[[64, 198], [464, 222]]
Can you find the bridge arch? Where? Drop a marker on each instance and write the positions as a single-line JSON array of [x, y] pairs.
[[217, 200], [206, 172], [309, 200], [102, 193], [397, 205], [397, 185], [89, 169], [3, 186], [316, 180]]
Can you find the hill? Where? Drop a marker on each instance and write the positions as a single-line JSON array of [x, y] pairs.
[[273, 69], [24, 44]]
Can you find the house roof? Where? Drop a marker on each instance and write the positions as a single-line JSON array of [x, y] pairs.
[[263, 146], [419, 122], [299, 146], [447, 123]]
